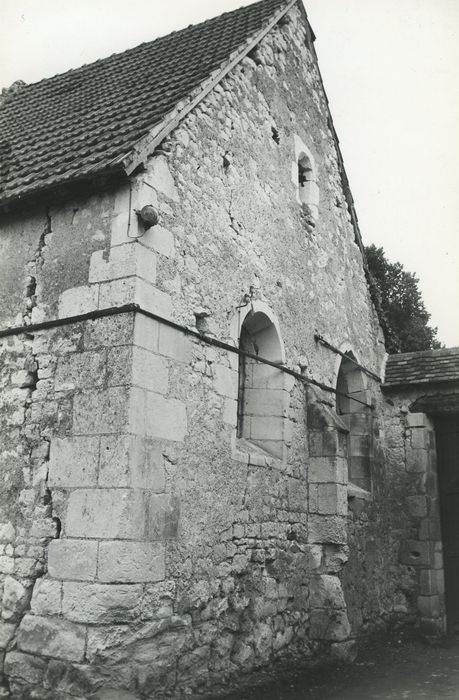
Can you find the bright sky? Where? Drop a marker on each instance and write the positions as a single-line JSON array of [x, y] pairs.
[[391, 72]]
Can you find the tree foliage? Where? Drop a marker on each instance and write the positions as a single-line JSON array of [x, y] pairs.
[[398, 299]]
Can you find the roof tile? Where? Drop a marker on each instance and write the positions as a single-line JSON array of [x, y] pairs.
[[425, 367], [48, 125]]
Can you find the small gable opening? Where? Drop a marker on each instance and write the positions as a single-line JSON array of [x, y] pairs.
[[304, 177], [350, 400]]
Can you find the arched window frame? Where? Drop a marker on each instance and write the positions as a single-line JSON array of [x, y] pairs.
[[349, 379], [263, 398], [304, 177]]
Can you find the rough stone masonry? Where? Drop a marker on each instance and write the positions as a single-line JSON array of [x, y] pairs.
[[174, 516]]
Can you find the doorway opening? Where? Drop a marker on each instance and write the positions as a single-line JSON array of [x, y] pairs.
[[447, 439]]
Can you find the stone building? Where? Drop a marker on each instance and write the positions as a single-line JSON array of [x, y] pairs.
[[202, 471]]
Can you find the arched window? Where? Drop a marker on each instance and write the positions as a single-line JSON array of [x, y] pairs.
[[357, 416], [304, 175], [262, 398]]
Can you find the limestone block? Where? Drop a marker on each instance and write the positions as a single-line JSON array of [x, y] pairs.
[[225, 381], [146, 332], [416, 553], [24, 667], [325, 592], [96, 412], [266, 377], [266, 428], [417, 461], [46, 597], [159, 177], [429, 528], [335, 557], [157, 417], [108, 332], [123, 218], [330, 625], [16, 597], [314, 556], [78, 300], [54, 636], [143, 192], [417, 420], [73, 461], [270, 402], [99, 603], [174, 344], [297, 495], [419, 438], [429, 605], [359, 445], [160, 240], [126, 260], [149, 371], [79, 370], [135, 290], [417, 506], [431, 582], [108, 693], [243, 656], [131, 461], [163, 517], [131, 562], [102, 639], [344, 652], [327, 529], [324, 443], [7, 563], [22, 378], [7, 532], [119, 366], [312, 194], [72, 559], [152, 299], [322, 470], [7, 630], [328, 499], [106, 514], [230, 412], [117, 292]]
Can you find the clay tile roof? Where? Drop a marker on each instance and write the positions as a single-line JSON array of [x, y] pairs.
[[428, 367], [79, 122]]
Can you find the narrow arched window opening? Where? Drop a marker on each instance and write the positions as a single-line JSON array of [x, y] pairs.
[[351, 386], [305, 176], [261, 395]]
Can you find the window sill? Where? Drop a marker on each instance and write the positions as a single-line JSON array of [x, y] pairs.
[[354, 491], [248, 453]]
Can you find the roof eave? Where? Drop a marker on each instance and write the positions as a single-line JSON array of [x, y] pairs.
[[407, 384], [112, 170]]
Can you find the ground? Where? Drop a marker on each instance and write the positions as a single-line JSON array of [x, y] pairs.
[[398, 668]]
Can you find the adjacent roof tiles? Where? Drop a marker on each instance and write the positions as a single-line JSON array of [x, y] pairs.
[[426, 367], [80, 122]]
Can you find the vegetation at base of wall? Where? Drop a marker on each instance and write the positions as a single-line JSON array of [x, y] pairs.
[[398, 300]]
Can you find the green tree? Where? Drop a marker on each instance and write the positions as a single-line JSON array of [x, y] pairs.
[[397, 297]]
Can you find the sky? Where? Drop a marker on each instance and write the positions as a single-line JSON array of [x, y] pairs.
[[391, 73]]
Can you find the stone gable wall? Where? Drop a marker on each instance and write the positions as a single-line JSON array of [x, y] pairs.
[[164, 553]]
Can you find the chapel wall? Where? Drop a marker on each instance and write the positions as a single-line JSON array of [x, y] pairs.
[[190, 556]]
